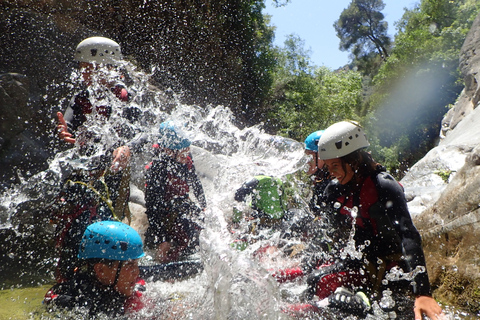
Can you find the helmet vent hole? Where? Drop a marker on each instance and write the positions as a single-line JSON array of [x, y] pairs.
[[114, 247], [107, 241], [93, 52], [347, 143], [338, 145], [350, 137], [123, 245]]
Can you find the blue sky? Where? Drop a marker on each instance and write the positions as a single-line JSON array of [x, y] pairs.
[[312, 21]]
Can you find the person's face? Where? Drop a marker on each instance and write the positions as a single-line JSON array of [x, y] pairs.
[[126, 279], [88, 69], [183, 155], [312, 164], [335, 168]]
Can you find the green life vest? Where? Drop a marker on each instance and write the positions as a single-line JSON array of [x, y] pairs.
[[269, 197]]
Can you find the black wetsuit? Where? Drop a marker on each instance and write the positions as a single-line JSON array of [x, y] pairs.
[[79, 204], [382, 224], [321, 181], [91, 296], [170, 211]]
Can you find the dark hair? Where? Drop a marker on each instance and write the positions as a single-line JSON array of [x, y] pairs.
[[362, 163], [87, 266]]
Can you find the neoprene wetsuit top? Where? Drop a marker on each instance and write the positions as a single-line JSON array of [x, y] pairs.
[[382, 222]]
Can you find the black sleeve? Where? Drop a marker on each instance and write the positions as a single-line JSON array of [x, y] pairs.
[[73, 115], [393, 199], [319, 196], [197, 187], [155, 183], [246, 189]]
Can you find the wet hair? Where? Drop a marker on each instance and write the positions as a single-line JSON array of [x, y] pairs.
[[362, 163]]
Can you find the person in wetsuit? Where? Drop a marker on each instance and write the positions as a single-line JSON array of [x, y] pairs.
[[316, 170], [97, 187], [107, 282], [173, 217], [365, 199]]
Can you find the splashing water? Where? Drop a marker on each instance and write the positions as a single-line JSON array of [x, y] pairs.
[[233, 285]]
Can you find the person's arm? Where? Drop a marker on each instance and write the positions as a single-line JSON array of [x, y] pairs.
[[246, 189], [198, 188], [428, 306], [155, 184], [121, 158], [72, 118], [393, 197], [62, 129]]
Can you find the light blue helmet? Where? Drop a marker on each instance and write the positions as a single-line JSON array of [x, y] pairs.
[[311, 142], [171, 137], [110, 240]]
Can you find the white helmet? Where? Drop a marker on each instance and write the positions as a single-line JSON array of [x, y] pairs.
[[98, 50], [340, 139]]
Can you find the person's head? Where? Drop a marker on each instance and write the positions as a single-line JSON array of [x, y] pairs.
[[112, 249], [173, 142], [94, 52], [341, 147], [311, 149]]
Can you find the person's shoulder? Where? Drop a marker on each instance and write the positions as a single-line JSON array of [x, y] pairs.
[[63, 294], [385, 182]]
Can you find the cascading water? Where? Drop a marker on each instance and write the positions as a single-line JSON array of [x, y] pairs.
[[233, 284]]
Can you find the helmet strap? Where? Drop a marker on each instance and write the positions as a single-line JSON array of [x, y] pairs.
[[117, 275]]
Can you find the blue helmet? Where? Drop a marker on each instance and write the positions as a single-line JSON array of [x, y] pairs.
[[171, 137], [311, 142], [110, 240]]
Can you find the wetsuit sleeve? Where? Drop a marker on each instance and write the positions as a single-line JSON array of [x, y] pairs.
[[318, 196], [393, 199], [73, 115], [60, 295], [155, 184], [197, 187], [246, 189]]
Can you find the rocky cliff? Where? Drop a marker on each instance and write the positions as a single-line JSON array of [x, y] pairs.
[[205, 51], [443, 190]]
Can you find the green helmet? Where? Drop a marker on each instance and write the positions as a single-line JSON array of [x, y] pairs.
[[110, 240]]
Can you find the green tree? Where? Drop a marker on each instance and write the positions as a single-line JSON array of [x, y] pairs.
[[307, 98], [420, 77], [361, 29]]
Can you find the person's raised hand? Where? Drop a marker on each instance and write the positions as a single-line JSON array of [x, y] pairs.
[[62, 130], [121, 157]]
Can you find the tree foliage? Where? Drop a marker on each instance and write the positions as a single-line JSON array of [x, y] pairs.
[[420, 78], [306, 98], [362, 30]]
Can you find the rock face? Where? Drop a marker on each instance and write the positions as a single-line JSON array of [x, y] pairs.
[[443, 190], [204, 51]]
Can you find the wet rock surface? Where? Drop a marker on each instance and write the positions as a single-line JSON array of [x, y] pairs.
[[443, 189]]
